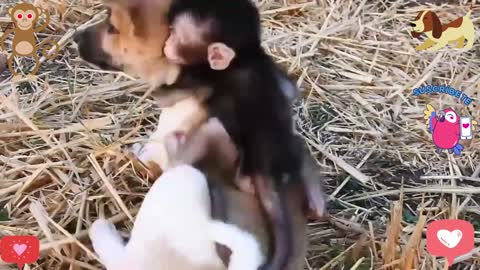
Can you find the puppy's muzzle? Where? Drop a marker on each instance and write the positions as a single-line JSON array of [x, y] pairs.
[[90, 49], [413, 24]]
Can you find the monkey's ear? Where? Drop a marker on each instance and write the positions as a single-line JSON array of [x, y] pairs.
[[10, 11], [39, 11], [220, 56]]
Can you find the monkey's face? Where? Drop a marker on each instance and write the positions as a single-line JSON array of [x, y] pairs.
[[186, 43], [190, 43], [24, 16], [130, 39]]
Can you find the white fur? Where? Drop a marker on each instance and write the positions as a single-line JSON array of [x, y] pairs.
[[107, 243], [173, 231], [246, 252]]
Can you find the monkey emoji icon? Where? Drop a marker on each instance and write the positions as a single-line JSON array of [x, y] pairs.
[[25, 17]]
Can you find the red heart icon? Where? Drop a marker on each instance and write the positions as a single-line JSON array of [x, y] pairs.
[[19, 249], [466, 125]]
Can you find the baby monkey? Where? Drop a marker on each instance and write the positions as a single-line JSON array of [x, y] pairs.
[[217, 44]]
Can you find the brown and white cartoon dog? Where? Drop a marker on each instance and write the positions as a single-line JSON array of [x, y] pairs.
[[439, 35]]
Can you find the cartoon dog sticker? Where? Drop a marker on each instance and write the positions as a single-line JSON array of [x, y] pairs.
[[439, 35]]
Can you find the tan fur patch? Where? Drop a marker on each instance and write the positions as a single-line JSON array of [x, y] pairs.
[[137, 45]]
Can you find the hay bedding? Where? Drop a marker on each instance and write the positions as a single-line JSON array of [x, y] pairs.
[[63, 138]]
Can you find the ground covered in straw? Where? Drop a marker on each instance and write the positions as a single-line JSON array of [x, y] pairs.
[[63, 138]]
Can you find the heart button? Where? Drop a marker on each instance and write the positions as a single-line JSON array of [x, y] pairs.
[[465, 125], [19, 249], [449, 238]]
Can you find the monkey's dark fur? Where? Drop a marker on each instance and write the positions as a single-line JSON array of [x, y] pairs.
[[247, 98]]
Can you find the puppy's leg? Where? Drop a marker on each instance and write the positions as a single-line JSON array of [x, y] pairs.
[[152, 154], [185, 116], [107, 243], [210, 141], [427, 44]]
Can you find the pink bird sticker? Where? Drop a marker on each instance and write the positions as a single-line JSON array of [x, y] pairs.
[[448, 128]]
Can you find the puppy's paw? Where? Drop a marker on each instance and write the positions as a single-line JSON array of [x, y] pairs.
[[107, 243], [100, 228]]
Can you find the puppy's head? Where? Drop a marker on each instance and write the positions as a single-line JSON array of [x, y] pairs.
[[426, 21], [131, 38]]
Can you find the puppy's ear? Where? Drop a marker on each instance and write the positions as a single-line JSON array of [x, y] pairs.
[[137, 17], [437, 25], [224, 253]]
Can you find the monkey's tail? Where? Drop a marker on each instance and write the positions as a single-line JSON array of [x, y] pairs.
[[47, 46]]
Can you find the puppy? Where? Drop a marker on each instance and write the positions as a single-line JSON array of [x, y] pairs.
[[174, 230], [131, 39]]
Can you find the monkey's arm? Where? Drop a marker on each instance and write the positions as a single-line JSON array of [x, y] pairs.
[[4, 37], [45, 24], [312, 184]]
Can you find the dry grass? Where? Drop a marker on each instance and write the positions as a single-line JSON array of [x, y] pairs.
[[63, 138]]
